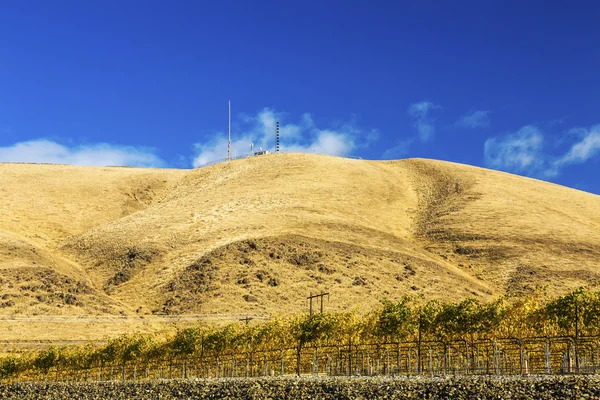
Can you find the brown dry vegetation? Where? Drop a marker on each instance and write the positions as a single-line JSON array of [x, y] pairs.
[[257, 235]]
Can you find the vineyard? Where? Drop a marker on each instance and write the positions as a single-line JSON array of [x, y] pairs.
[[530, 334]]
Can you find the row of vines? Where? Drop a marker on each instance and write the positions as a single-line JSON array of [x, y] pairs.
[[404, 337]]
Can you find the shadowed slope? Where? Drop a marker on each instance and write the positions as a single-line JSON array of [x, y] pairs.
[[510, 231]]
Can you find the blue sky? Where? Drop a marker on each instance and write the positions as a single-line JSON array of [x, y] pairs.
[[509, 85]]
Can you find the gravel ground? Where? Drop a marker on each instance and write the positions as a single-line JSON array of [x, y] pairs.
[[537, 388]]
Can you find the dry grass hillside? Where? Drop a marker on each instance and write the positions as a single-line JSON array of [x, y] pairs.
[[257, 235]]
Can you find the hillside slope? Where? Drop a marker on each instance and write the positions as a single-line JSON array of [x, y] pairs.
[[259, 234]]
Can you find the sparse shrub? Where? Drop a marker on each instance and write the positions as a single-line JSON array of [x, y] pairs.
[[360, 281], [250, 298], [307, 260], [9, 366]]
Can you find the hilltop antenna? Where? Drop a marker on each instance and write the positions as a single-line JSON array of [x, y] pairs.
[[251, 148], [277, 137], [229, 135]]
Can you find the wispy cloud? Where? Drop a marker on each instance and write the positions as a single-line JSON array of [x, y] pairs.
[[422, 120], [303, 136], [101, 154], [474, 120], [520, 152], [524, 152], [583, 150]]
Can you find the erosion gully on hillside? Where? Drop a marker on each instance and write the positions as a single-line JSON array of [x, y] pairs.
[[257, 235]]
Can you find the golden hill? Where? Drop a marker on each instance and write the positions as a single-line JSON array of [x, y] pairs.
[[257, 235]]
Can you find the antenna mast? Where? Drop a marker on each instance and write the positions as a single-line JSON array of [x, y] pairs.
[[277, 138], [229, 135]]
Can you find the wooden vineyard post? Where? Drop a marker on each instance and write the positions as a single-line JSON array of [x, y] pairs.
[[265, 365], [521, 357], [445, 358], [316, 363], [547, 357], [467, 352], [419, 345], [298, 356], [386, 369], [350, 357], [399, 360], [430, 362]]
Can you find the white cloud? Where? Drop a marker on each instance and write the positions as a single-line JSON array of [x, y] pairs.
[[583, 150], [520, 152], [523, 152], [422, 121], [474, 120], [325, 142], [421, 109], [304, 137], [46, 151]]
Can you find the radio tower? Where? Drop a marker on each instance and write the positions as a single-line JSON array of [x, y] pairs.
[[229, 135], [277, 138]]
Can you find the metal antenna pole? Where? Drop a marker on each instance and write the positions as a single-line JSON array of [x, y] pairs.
[[229, 135], [277, 137]]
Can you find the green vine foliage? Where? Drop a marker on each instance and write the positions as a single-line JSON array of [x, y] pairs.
[[575, 314]]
